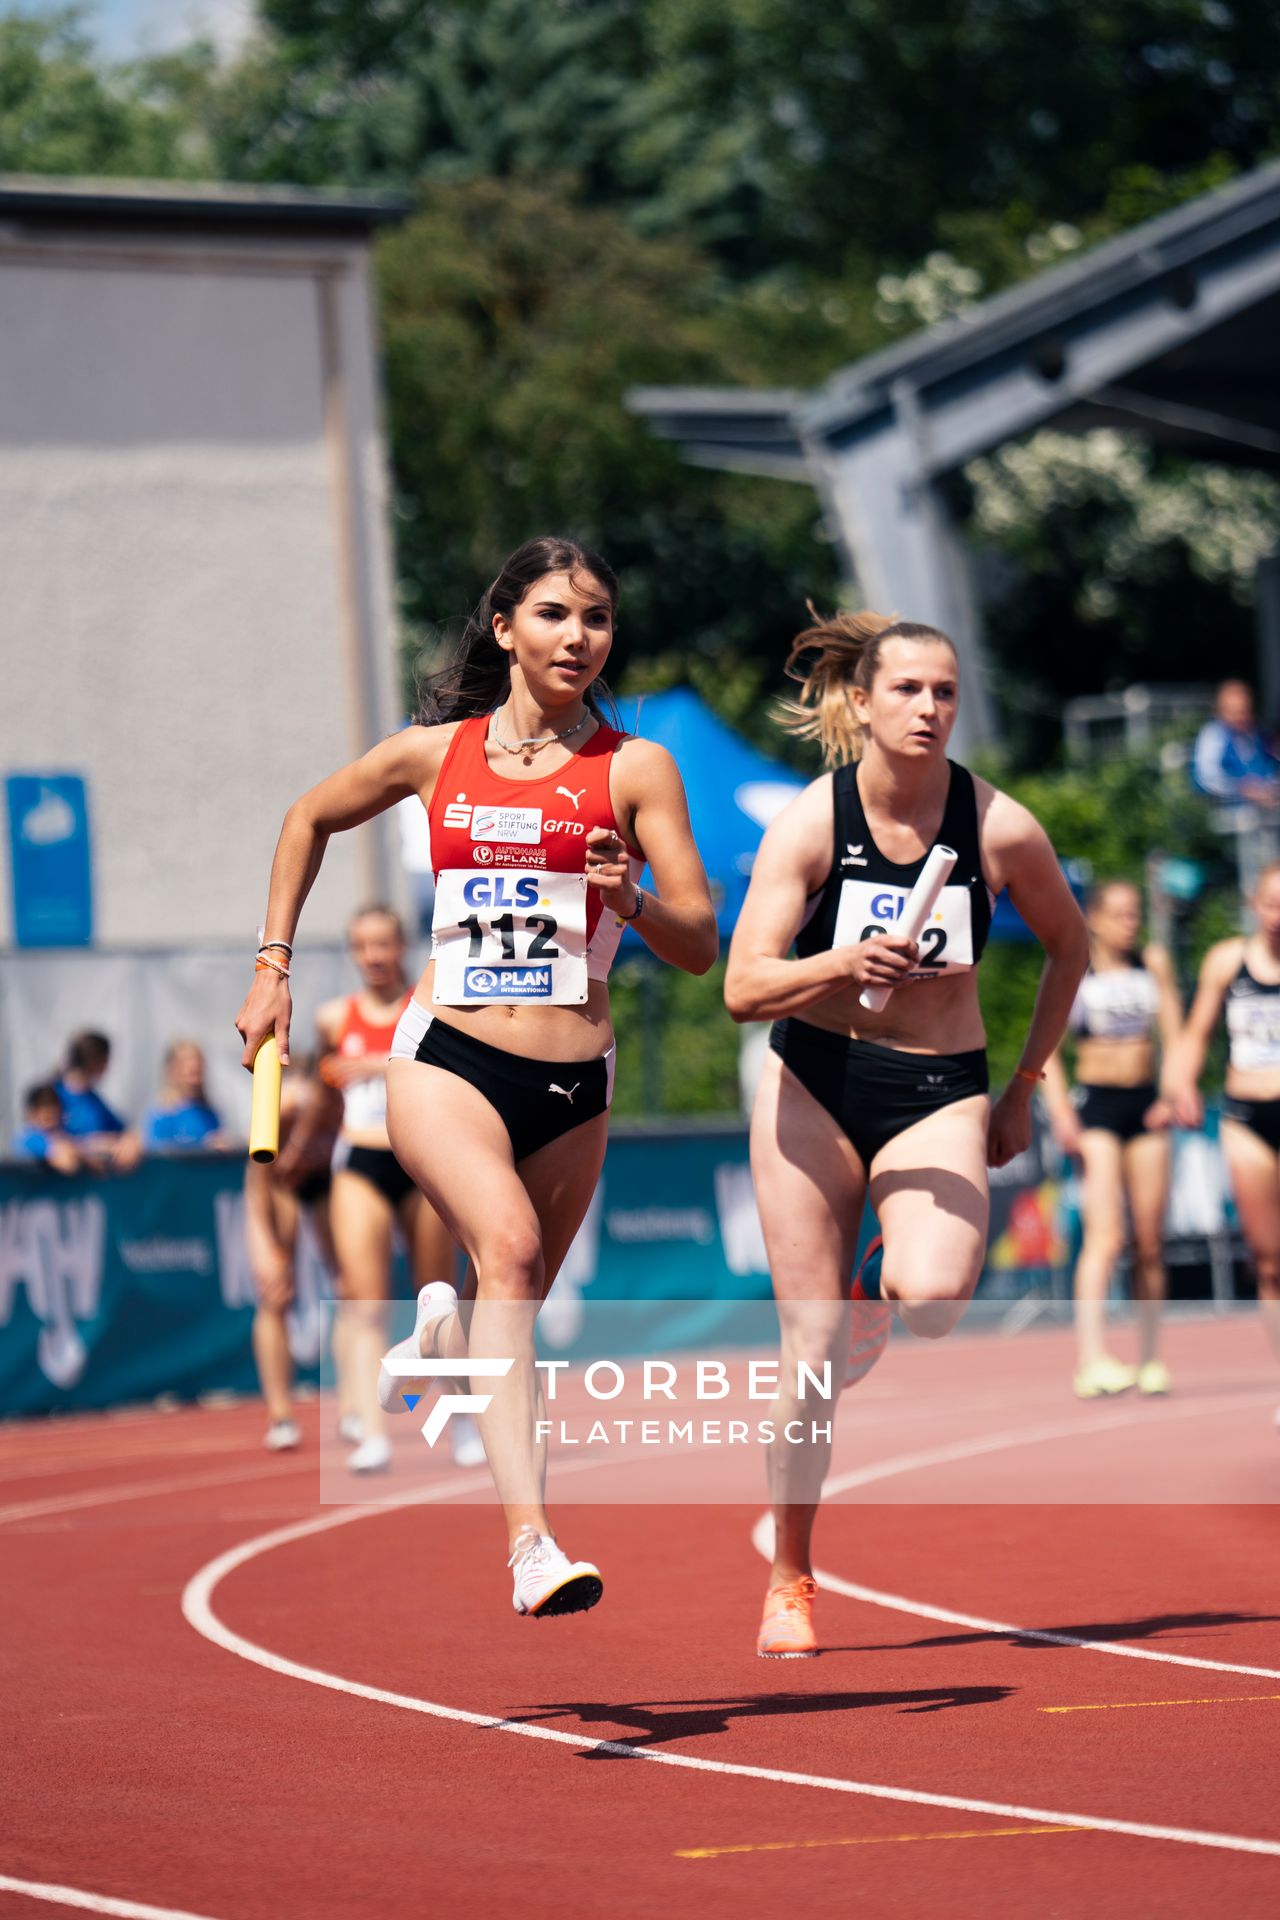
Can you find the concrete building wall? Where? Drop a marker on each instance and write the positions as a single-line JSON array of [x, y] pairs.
[[195, 582]]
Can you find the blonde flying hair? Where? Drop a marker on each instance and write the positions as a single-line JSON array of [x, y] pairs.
[[845, 649]]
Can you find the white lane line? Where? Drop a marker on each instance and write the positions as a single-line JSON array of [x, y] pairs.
[[762, 1532], [999, 1442], [47, 1469], [93, 1902], [197, 1608], [137, 1490], [896, 1603]]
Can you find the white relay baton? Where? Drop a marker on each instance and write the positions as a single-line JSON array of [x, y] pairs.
[[921, 901]]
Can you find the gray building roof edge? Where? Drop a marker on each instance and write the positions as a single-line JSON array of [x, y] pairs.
[[51, 200], [1156, 247]]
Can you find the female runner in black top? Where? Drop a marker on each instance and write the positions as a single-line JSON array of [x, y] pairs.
[[1117, 1124], [1242, 977], [890, 1104]]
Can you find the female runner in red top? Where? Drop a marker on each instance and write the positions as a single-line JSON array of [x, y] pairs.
[[498, 1087]]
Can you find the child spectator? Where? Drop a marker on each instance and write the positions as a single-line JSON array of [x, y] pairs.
[[100, 1134], [43, 1135], [182, 1117]]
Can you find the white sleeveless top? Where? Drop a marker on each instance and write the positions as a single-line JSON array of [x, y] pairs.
[[1122, 1003]]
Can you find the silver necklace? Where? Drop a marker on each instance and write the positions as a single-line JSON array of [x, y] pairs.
[[532, 746]]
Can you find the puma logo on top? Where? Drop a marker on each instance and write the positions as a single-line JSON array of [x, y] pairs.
[[853, 856], [568, 1092], [575, 797]]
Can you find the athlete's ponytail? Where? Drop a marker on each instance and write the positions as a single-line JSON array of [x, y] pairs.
[[831, 658], [477, 677]]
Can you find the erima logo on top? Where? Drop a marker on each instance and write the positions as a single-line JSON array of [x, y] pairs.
[[514, 825]]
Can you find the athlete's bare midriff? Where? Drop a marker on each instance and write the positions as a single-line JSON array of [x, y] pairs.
[[928, 1016], [535, 1033], [1254, 1083], [1115, 1063]]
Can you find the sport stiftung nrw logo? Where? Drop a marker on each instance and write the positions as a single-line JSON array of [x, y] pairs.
[[449, 1403]]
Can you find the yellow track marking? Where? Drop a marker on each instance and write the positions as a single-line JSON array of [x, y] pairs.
[[1209, 1700], [868, 1840]]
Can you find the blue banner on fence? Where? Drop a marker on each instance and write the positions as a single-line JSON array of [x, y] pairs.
[[120, 1289], [49, 860], [114, 1290]]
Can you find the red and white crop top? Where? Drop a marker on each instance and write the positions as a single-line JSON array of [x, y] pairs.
[[364, 1102], [515, 921]]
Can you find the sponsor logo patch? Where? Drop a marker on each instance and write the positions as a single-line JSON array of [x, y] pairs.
[[513, 856], [506, 983], [512, 824]]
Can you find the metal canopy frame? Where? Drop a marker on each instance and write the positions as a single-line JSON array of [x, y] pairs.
[[1172, 330]]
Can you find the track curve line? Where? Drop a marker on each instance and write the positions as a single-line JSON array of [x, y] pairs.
[[762, 1534], [197, 1608], [92, 1902]]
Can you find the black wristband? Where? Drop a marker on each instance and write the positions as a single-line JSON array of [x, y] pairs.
[[629, 917]]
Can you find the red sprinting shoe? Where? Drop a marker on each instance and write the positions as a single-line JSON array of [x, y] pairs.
[[870, 1317], [786, 1632]]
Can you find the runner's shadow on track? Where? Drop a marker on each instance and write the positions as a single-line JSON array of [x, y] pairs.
[[1149, 1628], [690, 1718]]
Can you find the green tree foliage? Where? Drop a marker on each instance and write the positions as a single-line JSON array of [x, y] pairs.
[[1124, 565], [406, 91], [877, 121], [795, 131], [1108, 817], [59, 113], [506, 372]]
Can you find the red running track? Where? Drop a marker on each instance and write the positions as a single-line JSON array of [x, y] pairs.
[[152, 1759]]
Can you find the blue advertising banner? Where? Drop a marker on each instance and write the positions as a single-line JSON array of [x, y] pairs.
[[49, 860], [119, 1289], [115, 1290]]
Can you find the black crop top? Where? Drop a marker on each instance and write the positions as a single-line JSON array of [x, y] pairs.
[[865, 893]]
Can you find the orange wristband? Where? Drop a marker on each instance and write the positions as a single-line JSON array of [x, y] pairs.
[[1025, 1073]]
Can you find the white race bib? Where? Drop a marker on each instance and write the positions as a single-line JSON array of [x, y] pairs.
[[509, 938], [1253, 1023], [946, 945]]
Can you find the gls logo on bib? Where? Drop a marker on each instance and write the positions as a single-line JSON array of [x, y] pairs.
[[946, 945]]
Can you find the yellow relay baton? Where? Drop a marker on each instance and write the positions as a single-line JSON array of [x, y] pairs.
[[264, 1121]]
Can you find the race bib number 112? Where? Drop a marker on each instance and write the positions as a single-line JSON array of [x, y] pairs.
[[510, 938]]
